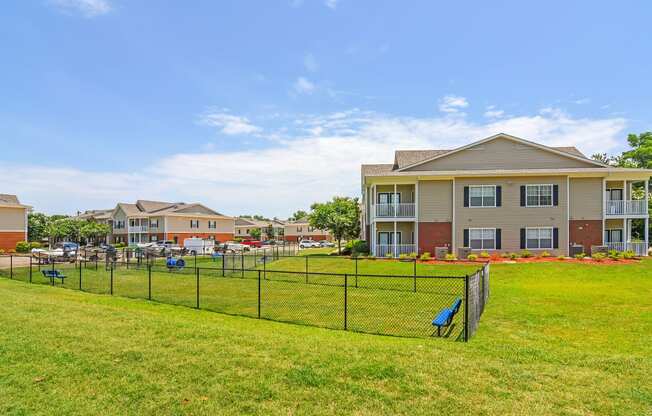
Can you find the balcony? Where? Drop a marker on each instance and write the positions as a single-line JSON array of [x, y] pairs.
[[138, 228], [640, 248], [395, 249], [404, 210], [626, 207]]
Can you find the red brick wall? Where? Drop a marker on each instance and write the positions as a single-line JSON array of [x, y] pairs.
[[586, 233], [221, 237], [434, 234], [8, 239]]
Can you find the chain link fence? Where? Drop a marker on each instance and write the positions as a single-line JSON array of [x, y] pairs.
[[397, 305]]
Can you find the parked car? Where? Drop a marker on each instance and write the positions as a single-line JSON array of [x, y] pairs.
[[253, 243], [308, 244], [326, 243], [232, 247], [199, 245]]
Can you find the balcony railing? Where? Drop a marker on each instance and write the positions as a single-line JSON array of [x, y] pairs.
[[626, 207], [394, 249], [403, 210], [640, 248], [138, 228]]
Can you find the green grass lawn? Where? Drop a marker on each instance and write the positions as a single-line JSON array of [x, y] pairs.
[[554, 339]]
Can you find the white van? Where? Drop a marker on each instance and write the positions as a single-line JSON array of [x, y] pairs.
[[199, 246]]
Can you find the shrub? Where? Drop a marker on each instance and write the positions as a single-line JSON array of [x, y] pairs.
[[526, 254], [484, 254], [426, 256], [22, 247], [513, 256], [629, 254], [389, 255], [413, 255], [615, 255], [561, 257], [355, 246], [545, 254], [472, 257], [2, 251], [450, 257], [580, 256], [119, 245], [371, 257], [598, 256], [403, 256]]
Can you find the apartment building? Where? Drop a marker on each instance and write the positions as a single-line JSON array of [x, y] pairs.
[[13, 222], [301, 230], [147, 221], [503, 194], [244, 226]]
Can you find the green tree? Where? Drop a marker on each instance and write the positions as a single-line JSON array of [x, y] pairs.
[[64, 228], [255, 233], [603, 158], [94, 231], [37, 226], [640, 156], [269, 231], [341, 217], [298, 215]]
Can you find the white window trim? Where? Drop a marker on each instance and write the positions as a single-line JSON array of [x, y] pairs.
[[552, 195], [552, 238], [482, 239], [622, 234], [393, 237], [482, 206]]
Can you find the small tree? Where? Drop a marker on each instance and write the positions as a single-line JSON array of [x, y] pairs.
[[255, 233], [37, 226], [298, 215], [341, 217], [64, 228], [93, 231], [269, 231]]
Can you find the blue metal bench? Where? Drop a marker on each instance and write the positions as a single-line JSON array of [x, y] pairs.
[[446, 315], [53, 274]]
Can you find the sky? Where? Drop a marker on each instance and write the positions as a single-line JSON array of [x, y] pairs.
[[264, 107]]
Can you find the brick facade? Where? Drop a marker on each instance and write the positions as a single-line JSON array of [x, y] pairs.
[[586, 233], [8, 239], [434, 234]]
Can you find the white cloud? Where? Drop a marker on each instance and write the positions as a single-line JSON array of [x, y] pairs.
[[332, 4], [314, 158], [310, 62], [87, 8], [581, 101], [493, 112], [304, 86], [452, 104], [228, 123]]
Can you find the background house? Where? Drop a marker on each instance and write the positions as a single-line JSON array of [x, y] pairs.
[[300, 229], [13, 222], [147, 221], [245, 225]]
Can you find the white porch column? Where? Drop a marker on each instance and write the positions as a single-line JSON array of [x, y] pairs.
[[604, 208], [394, 236], [395, 203], [647, 218]]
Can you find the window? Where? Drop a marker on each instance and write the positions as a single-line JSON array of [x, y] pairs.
[[538, 195], [389, 197], [387, 238], [310, 229], [614, 194], [239, 231], [299, 229], [152, 237], [132, 223], [194, 223], [538, 238], [212, 224], [119, 224], [482, 196], [482, 238], [153, 223], [613, 236]]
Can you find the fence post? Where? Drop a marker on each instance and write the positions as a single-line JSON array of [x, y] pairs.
[[111, 288], [242, 264], [197, 273], [223, 261], [30, 268], [195, 260], [80, 275], [53, 262], [346, 302], [265, 268], [11, 266], [306, 269], [415, 275], [466, 308], [149, 282], [258, 294], [127, 260]]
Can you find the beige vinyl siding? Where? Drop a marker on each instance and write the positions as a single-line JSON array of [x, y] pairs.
[[182, 225], [405, 228], [12, 219], [502, 154], [586, 199], [196, 209], [435, 201], [406, 191], [614, 223], [119, 215], [510, 217], [292, 230]]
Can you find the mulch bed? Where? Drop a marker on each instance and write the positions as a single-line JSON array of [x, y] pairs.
[[586, 260]]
